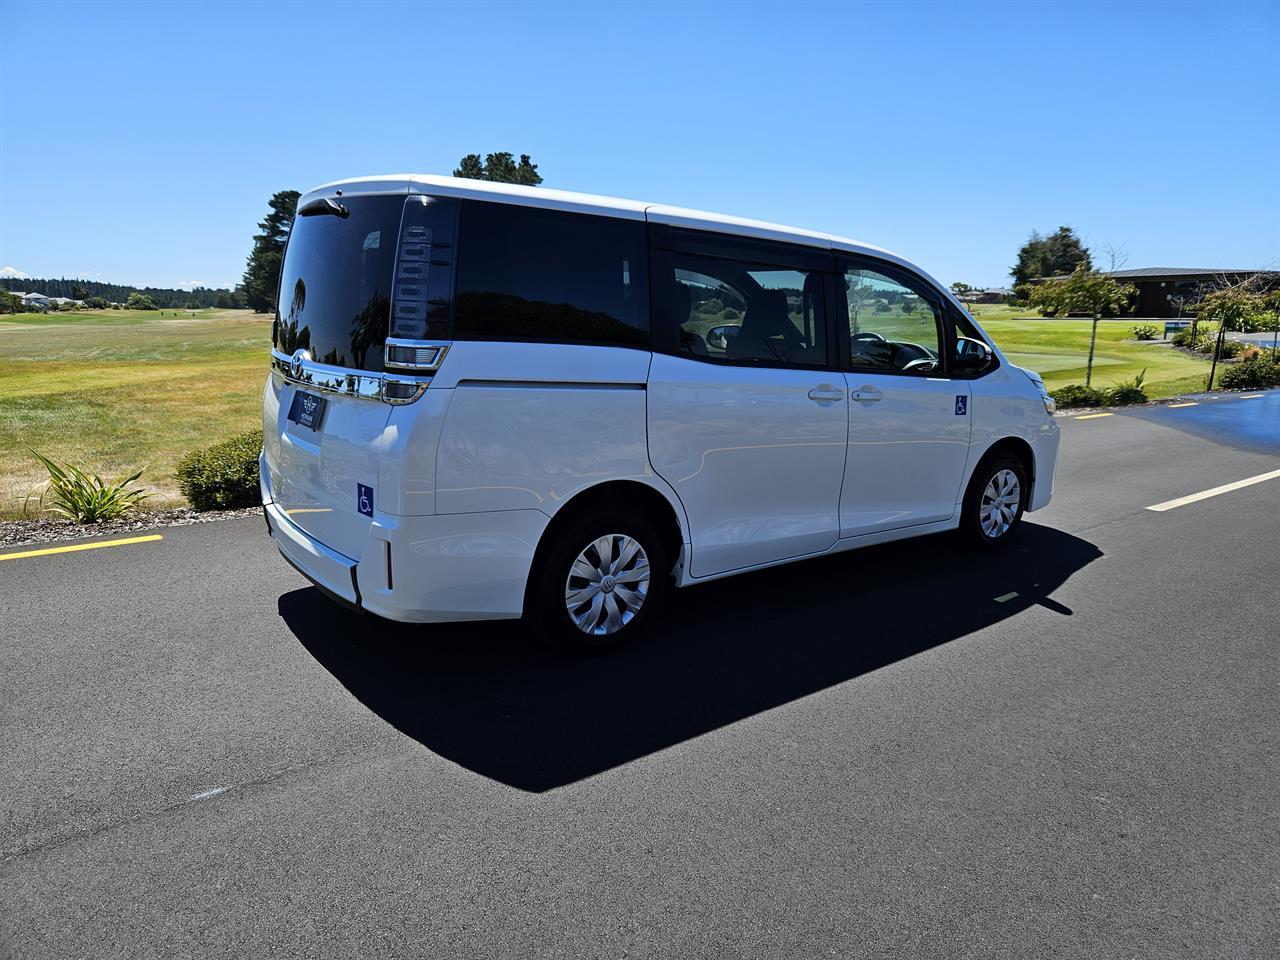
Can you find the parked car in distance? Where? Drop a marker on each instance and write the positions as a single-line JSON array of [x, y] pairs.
[[492, 401]]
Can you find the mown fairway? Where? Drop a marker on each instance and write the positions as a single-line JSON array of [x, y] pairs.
[[123, 389], [1059, 349]]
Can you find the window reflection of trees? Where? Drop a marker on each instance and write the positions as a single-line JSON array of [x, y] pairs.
[[291, 338], [369, 329]]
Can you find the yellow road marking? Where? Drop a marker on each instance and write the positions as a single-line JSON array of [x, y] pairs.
[[1006, 597], [1189, 403], [45, 551], [1216, 491], [1249, 396], [1095, 416], [309, 510]]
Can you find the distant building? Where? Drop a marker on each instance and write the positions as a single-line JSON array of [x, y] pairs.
[[1166, 292], [35, 301], [65, 301], [989, 295]]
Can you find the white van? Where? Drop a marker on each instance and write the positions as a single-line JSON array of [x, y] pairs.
[[489, 401]]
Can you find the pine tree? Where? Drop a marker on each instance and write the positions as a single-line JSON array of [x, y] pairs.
[[262, 275], [471, 167], [1056, 255], [500, 168]]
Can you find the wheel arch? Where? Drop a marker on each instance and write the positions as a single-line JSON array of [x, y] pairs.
[[1018, 447], [660, 506]]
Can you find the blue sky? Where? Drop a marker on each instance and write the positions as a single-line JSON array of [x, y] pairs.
[[140, 142]]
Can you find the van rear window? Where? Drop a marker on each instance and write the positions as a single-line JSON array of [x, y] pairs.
[[336, 283], [526, 273]]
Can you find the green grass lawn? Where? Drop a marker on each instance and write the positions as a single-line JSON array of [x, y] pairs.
[[123, 389], [1059, 349]]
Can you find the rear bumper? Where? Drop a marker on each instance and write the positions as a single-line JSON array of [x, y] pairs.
[[470, 566], [327, 569]]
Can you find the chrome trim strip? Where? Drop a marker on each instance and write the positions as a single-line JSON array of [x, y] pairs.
[[347, 383]]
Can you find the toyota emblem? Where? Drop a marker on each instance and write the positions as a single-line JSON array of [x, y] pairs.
[[299, 358]]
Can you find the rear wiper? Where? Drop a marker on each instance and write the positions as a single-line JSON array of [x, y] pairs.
[[324, 207]]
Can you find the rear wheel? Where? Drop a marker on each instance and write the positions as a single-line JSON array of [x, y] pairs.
[[601, 580], [995, 501]]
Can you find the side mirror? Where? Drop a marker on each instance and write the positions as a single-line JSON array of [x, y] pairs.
[[720, 336], [972, 356]]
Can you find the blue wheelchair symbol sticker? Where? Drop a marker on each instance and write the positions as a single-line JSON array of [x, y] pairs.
[[962, 405], [364, 499]]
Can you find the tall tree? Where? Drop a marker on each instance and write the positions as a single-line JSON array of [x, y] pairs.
[[527, 173], [262, 275], [471, 167], [1056, 255], [500, 168]]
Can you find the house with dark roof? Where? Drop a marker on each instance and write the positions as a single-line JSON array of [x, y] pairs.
[[1164, 292]]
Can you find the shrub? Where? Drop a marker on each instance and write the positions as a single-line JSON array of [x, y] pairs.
[[224, 476], [1076, 395], [83, 496], [1146, 331], [1251, 351], [1128, 391], [730, 314], [1259, 373], [1230, 348], [1205, 337]]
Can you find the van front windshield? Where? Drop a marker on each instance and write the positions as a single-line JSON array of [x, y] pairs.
[[336, 282]]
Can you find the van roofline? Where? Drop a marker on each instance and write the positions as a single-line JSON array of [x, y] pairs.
[[600, 205]]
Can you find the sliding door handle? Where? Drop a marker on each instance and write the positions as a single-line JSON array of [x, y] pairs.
[[826, 393], [866, 394]]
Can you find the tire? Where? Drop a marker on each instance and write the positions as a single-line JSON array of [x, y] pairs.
[[990, 517], [615, 600]]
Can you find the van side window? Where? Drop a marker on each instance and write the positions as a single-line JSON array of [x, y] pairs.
[[746, 312], [526, 273], [893, 325]]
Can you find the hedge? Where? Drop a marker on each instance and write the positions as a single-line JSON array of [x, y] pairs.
[[1257, 374], [224, 476], [1077, 395]]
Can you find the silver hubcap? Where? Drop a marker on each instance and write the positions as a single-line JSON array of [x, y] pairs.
[[1000, 503], [607, 584]]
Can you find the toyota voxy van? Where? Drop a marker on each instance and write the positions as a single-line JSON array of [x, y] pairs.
[[494, 401]]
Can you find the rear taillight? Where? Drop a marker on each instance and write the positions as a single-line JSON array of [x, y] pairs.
[[413, 356]]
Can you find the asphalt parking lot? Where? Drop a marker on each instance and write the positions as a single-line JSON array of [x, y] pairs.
[[1067, 749]]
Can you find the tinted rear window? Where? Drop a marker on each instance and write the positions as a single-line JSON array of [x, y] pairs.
[[335, 286], [525, 273]]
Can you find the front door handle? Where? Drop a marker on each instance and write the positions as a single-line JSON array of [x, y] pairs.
[[826, 393], [866, 394]]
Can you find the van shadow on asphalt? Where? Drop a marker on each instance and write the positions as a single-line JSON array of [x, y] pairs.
[[491, 698]]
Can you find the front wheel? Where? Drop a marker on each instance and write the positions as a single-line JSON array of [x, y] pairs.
[[600, 581], [995, 501]]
